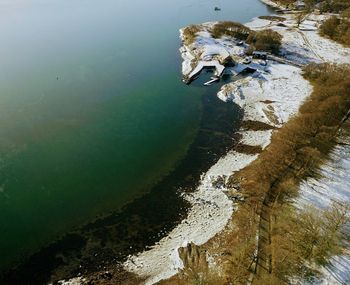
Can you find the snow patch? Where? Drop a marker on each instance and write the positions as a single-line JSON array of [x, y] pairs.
[[333, 186]]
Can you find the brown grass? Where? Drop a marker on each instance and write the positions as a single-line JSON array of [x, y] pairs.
[[248, 149], [273, 18], [256, 126], [265, 40], [231, 29], [267, 102], [296, 152], [190, 33], [337, 29]]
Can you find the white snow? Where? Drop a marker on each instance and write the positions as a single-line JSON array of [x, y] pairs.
[[256, 138], [206, 51], [272, 4], [333, 186], [209, 213], [303, 44], [212, 63], [278, 91], [273, 94]]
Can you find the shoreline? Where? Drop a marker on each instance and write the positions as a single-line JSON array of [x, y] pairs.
[[251, 94], [260, 97], [106, 242], [203, 219], [272, 4]]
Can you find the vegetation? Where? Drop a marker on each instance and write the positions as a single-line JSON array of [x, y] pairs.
[[295, 153], [273, 18], [297, 238], [256, 126], [266, 40], [286, 3], [333, 6], [231, 29], [337, 29], [311, 236], [190, 33], [248, 149]]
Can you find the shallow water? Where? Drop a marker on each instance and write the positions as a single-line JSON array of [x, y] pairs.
[[92, 108]]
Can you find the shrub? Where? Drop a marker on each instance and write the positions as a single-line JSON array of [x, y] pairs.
[[346, 13], [329, 27], [337, 29], [190, 33], [286, 3], [273, 18], [231, 29], [295, 153], [266, 40], [334, 6]]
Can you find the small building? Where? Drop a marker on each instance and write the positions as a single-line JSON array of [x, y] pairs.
[[260, 55]]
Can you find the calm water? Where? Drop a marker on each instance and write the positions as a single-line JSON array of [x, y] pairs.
[[92, 108]]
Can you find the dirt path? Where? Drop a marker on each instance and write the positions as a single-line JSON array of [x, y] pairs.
[[309, 45]]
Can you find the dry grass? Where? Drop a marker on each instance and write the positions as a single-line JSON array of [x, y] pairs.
[[265, 40], [231, 29], [337, 29], [273, 18], [270, 114], [256, 126], [190, 33], [267, 102], [248, 149], [295, 153]]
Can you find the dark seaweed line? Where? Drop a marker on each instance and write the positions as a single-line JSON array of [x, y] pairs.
[[108, 241]]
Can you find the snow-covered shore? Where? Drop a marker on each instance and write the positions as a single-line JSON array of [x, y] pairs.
[[271, 95], [211, 208], [272, 4], [208, 215]]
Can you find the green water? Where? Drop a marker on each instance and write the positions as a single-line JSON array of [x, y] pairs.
[[92, 108]]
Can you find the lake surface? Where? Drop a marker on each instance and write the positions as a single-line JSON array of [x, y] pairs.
[[93, 112]]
